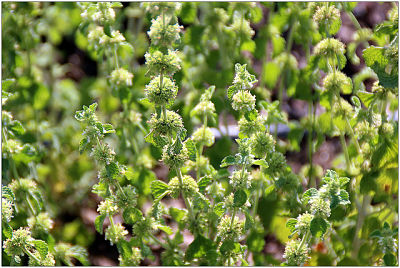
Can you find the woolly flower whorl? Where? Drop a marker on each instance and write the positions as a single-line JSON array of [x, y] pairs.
[[226, 232], [167, 126], [203, 136], [294, 255], [329, 47], [107, 207], [188, 187], [115, 234], [161, 94], [121, 77], [244, 101]]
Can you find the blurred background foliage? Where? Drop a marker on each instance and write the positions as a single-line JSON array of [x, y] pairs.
[[51, 68]]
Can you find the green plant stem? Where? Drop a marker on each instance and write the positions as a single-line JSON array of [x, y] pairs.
[[31, 255], [360, 220], [200, 152], [30, 205], [13, 167], [310, 142], [111, 223], [353, 19], [158, 241], [304, 239], [116, 56], [345, 151], [189, 208]]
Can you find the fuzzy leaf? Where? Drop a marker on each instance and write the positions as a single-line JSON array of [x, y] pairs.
[[42, 247], [260, 162], [203, 183], [228, 161], [318, 226], [108, 128], [158, 188], [198, 248], [240, 198], [310, 193], [291, 225], [6, 192], [7, 230], [192, 150], [219, 209], [389, 259], [98, 223], [165, 229]]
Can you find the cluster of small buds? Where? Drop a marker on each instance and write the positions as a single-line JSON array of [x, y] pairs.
[[156, 8], [204, 108], [40, 224], [115, 233], [337, 81], [239, 180], [241, 26], [326, 15], [166, 126], [157, 62], [133, 260], [101, 12], [329, 47], [21, 239], [22, 186], [251, 127], [296, 255], [12, 146], [6, 210], [121, 77], [303, 223], [342, 108], [364, 131], [126, 198], [174, 159], [388, 129], [276, 163], [203, 136], [144, 226], [243, 79], [228, 231], [243, 101], [107, 207], [161, 92], [164, 35], [104, 154], [320, 207], [262, 144], [47, 261], [188, 187]]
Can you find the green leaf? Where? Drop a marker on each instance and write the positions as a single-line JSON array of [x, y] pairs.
[[6, 83], [260, 162], [158, 188], [203, 183], [229, 246], [112, 170], [228, 161], [251, 115], [318, 226], [310, 193], [344, 197], [291, 225], [232, 91], [108, 128], [219, 209], [343, 181], [165, 229], [42, 247], [98, 223], [375, 59], [389, 259], [116, 5], [240, 198], [7, 230], [271, 74], [192, 150], [249, 221], [198, 248], [131, 215], [83, 144], [6, 192], [375, 233], [124, 248]]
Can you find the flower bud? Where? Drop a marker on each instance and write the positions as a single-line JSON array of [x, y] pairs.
[[203, 136], [133, 260], [103, 154], [338, 81], [251, 127], [188, 187], [40, 224], [320, 207], [20, 239], [294, 255], [167, 127], [164, 35], [239, 181], [121, 77], [329, 47], [161, 94], [157, 62], [262, 143], [303, 223], [107, 207], [47, 261], [115, 233], [226, 232]]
